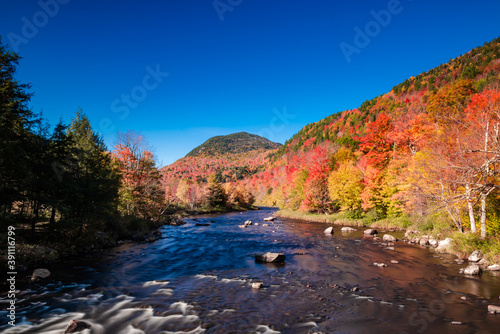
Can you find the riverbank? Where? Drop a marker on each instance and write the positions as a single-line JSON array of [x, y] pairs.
[[342, 219], [433, 227]]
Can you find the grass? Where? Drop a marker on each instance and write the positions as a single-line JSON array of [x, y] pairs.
[[343, 218]]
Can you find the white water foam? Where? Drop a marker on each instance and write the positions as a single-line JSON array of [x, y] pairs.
[[120, 315]]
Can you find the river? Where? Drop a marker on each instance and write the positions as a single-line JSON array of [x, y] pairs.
[[198, 279]]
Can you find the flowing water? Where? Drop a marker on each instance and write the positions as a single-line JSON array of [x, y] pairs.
[[198, 279]]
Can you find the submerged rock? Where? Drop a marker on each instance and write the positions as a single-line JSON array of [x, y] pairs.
[[40, 274], [76, 326], [389, 238], [475, 256], [347, 229], [270, 258], [329, 230]]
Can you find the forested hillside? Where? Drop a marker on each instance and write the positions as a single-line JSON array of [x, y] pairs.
[[429, 145], [227, 159]]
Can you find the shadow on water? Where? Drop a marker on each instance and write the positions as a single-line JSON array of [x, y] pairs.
[[198, 279]]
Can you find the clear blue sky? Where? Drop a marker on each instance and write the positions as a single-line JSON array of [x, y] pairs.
[[265, 67]]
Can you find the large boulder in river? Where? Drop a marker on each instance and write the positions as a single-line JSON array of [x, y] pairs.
[[76, 326], [269, 219], [472, 269], [476, 256], [347, 229], [270, 258], [40, 274], [389, 238], [329, 230], [370, 231]]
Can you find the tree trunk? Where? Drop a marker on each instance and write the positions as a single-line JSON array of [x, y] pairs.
[[483, 217], [471, 210], [35, 218], [52, 220]]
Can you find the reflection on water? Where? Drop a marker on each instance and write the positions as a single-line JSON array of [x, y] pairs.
[[198, 279]]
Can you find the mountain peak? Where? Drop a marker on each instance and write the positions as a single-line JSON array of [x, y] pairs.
[[235, 143]]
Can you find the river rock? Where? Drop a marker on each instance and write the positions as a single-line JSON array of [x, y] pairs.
[[370, 231], [394, 262], [248, 223], [202, 224], [269, 219], [265, 225], [177, 222], [472, 269], [257, 285], [475, 256], [456, 323], [329, 230], [76, 326], [347, 229], [270, 258], [433, 242], [389, 238], [157, 233], [424, 241], [379, 264], [493, 267], [242, 226], [444, 246], [40, 274], [493, 309]]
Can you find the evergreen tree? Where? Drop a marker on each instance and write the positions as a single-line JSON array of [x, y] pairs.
[[16, 121], [217, 197], [91, 178]]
